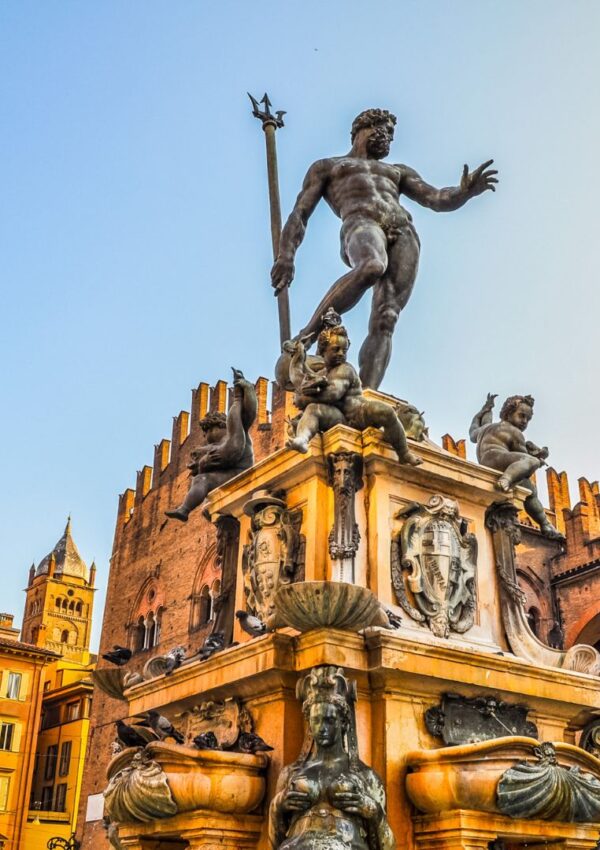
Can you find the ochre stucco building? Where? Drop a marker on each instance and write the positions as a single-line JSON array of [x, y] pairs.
[[23, 668], [45, 700]]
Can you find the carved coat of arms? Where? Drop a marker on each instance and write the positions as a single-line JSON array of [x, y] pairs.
[[274, 554], [434, 562]]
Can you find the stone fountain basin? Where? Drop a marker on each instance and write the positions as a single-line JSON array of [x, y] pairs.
[[307, 605], [467, 776], [228, 782]]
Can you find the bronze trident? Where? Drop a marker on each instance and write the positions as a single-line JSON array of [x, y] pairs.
[[270, 123]]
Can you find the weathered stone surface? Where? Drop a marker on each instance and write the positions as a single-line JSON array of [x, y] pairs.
[[459, 720], [513, 775]]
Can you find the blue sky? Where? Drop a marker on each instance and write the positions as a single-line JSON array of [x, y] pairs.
[[134, 230]]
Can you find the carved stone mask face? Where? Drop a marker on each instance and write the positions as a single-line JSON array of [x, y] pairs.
[[521, 417], [335, 353], [325, 724], [379, 141]]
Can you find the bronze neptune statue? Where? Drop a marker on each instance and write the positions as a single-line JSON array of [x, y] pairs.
[[328, 799], [378, 239], [502, 446]]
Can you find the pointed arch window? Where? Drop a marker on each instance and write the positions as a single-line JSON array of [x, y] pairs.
[[533, 618], [138, 635], [205, 605], [150, 640]]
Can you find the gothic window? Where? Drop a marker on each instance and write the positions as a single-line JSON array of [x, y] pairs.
[[65, 604], [72, 606], [64, 636], [150, 631], [145, 619], [58, 602], [533, 618], [138, 635], [205, 612], [159, 615], [215, 591], [79, 608]]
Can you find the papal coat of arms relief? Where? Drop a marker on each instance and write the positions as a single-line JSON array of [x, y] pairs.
[[274, 553], [434, 564]]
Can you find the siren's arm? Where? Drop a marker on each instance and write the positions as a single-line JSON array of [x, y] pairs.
[[292, 234]]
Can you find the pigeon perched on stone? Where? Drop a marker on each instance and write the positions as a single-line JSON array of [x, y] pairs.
[[206, 741], [163, 727], [395, 619], [120, 655], [213, 643], [250, 624], [248, 742], [112, 833], [173, 659], [133, 736]]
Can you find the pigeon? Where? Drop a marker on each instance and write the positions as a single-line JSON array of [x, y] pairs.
[[112, 833], [206, 741], [213, 643], [133, 736], [120, 655], [395, 619], [173, 659], [163, 727], [248, 742], [251, 625]]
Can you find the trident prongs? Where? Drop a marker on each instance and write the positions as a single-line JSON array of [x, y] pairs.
[[266, 116]]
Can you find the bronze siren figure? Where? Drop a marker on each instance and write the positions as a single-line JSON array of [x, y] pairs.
[[328, 799], [378, 240]]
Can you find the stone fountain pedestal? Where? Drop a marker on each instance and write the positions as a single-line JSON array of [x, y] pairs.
[[351, 504]]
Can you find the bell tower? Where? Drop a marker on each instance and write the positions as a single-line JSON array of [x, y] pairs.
[[59, 601]]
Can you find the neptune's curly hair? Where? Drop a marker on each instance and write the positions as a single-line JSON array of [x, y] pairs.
[[371, 118]]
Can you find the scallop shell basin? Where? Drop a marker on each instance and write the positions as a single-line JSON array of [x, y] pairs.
[[308, 605]]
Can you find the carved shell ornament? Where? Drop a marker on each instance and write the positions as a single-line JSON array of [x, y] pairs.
[[546, 790], [139, 792]]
